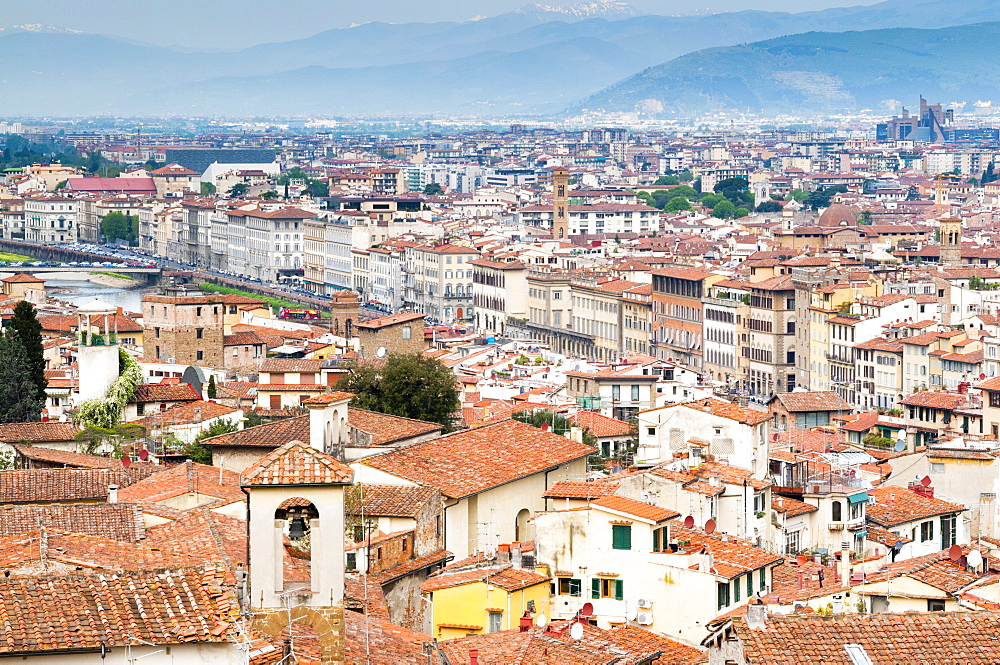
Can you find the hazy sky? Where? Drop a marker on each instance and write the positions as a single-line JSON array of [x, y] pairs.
[[234, 23]]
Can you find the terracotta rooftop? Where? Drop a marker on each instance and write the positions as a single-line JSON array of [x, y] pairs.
[[65, 458], [731, 557], [895, 505], [503, 575], [723, 409], [296, 463], [633, 508], [118, 521], [185, 413], [565, 489], [204, 533], [22, 554], [162, 392], [821, 400], [600, 425], [396, 500], [64, 485], [37, 432], [475, 460], [936, 400], [291, 365], [76, 612], [189, 478], [948, 638]]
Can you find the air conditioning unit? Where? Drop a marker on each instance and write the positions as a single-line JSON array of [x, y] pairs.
[[644, 618], [645, 603]]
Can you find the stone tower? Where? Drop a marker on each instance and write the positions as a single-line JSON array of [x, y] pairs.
[[344, 310], [951, 241], [560, 202]]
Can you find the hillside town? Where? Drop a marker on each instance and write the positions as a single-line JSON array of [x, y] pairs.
[[527, 395]]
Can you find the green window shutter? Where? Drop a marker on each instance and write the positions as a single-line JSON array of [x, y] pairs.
[[619, 590], [736, 589], [763, 578], [595, 588], [749, 584], [621, 536], [656, 540], [723, 594], [574, 587]]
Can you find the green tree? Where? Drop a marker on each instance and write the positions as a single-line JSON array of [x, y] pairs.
[[690, 193], [117, 225], [61, 184], [730, 186], [989, 175], [239, 189], [408, 385], [24, 324], [196, 451], [769, 206], [865, 218], [724, 209], [667, 180], [207, 189], [269, 194], [740, 213], [677, 204], [432, 189], [19, 400], [211, 390], [121, 437], [798, 195]]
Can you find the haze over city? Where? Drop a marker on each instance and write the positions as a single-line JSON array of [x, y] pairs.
[[474, 333]]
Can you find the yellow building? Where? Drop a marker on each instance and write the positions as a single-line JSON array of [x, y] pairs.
[[477, 596]]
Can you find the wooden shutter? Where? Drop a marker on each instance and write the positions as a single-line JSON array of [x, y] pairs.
[[595, 588], [619, 590]]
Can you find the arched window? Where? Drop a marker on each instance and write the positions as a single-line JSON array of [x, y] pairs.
[[296, 513], [836, 512]]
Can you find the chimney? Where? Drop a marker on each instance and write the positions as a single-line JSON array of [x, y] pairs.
[[473, 656], [845, 562], [515, 555], [756, 615], [112, 493], [525, 622]]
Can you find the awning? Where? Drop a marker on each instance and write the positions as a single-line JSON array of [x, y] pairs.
[[860, 497]]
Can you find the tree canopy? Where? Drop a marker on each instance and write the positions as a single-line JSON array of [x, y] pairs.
[[407, 385], [432, 189], [314, 187], [117, 225], [24, 324], [769, 206], [19, 400]]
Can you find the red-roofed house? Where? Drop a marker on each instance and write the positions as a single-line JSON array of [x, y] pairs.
[[620, 554]]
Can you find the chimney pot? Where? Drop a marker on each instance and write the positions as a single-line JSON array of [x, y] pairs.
[[473, 656]]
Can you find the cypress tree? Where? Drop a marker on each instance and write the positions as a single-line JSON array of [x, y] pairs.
[[28, 330], [19, 401]]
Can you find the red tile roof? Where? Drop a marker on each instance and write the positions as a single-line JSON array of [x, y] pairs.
[[65, 485], [935, 400], [160, 392], [22, 554], [731, 557], [204, 533], [821, 400], [504, 576], [601, 426], [951, 638], [565, 489], [633, 508], [183, 479], [478, 459], [37, 432], [897, 505], [396, 500], [65, 458], [46, 614], [118, 521], [723, 409], [297, 463]]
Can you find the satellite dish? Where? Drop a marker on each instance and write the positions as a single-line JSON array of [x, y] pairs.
[[774, 437], [144, 454], [900, 446], [955, 552], [617, 468], [974, 558], [126, 461], [576, 632], [710, 527], [380, 353], [541, 621], [689, 522], [631, 613], [926, 481], [898, 546], [587, 610]]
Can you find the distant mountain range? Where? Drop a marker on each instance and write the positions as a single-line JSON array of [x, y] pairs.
[[817, 72], [536, 59]]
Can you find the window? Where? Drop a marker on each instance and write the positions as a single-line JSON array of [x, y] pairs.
[[836, 512], [157, 331], [621, 536], [635, 393], [926, 531], [937, 467], [661, 539], [736, 589], [496, 621], [605, 588], [750, 582], [935, 605], [200, 355], [140, 408], [199, 333], [352, 561], [722, 589], [569, 586], [616, 393], [407, 332], [763, 579], [949, 536], [232, 309], [197, 311], [651, 431], [792, 543]]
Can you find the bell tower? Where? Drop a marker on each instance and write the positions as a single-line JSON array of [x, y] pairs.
[[951, 241], [560, 202]]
